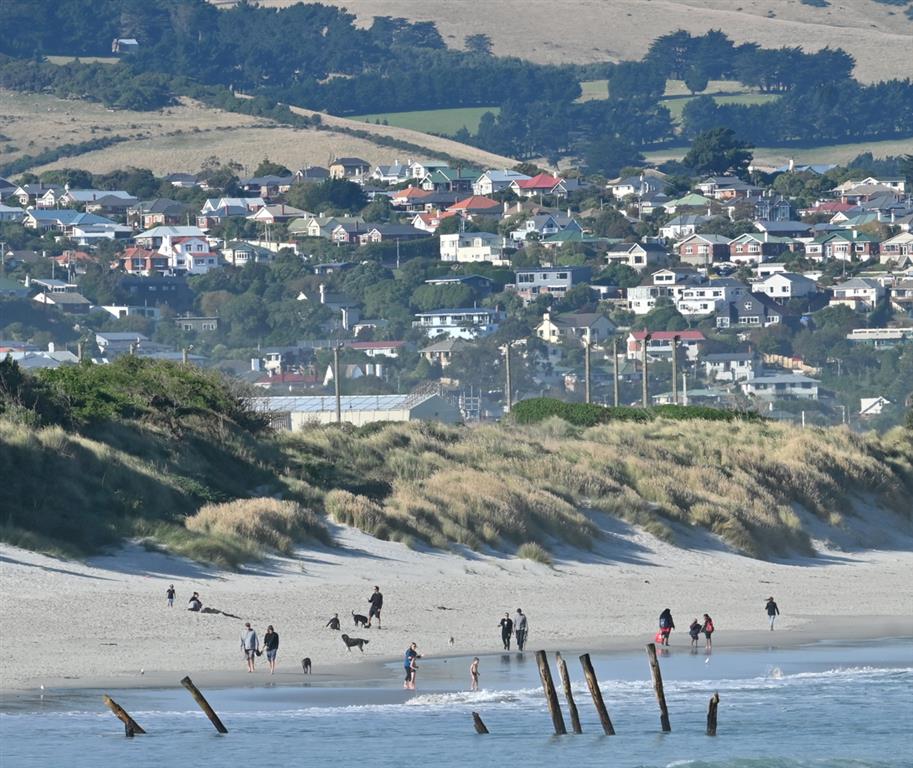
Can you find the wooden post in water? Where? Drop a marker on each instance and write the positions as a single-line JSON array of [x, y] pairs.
[[550, 695], [711, 714], [593, 685], [568, 694], [120, 713], [477, 722], [658, 687], [204, 705]]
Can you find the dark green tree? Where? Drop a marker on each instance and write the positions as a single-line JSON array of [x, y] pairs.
[[718, 151]]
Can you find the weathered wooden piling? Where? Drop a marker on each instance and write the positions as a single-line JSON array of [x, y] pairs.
[[568, 694], [658, 687], [593, 684], [711, 714], [477, 722], [551, 695], [204, 705], [130, 725]]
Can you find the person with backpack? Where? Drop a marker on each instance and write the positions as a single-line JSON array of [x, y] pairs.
[[666, 625], [708, 629], [507, 629], [695, 631], [772, 612]]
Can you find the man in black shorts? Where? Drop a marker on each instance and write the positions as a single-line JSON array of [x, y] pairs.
[[377, 602]]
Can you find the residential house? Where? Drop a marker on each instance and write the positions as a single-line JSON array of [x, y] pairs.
[[895, 183], [450, 180], [70, 302], [120, 311], [552, 281], [218, 216], [277, 214], [51, 285], [750, 248], [461, 322], [475, 205], [880, 337], [157, 290], [481, 286], [151, 213], [579, 327], [731, 366], [783, 228], [311, 174], [332, 267], [183, 180], [842, 246], [323, 226], [196, 323], [238, 253], [350, 168], [872, 406], [769, 208], [348, 233], [429, 222], [753, 310], [642, 298], [62, 220], [542, 225], [638, 256], [246, 205], [124, 45], [897, 250], [84, 197], [395, 173], [689, 202], [541, 184], [781, 386], [682, 226], [859, 293], [442, 349], [661, 343], [784, 286], [495, 181], [391, 349], [392, 232], [10, 213], [640, 186], [267, 186], [30, 194], [419, 169], [770, 268], [153, 238], [702, 250], [111, 343], [189, 255], [710, 297], [902, 295], [725, 187], [472, 247]]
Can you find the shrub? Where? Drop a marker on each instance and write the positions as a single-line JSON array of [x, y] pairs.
[[535, 552]]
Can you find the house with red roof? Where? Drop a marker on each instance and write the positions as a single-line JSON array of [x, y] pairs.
[[136, 260], [660, 343], [476, 205], [189, 255], [541, 184]]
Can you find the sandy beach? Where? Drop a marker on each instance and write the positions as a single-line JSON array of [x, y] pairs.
[[104, 622]]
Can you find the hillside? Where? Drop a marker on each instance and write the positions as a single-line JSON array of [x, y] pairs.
[[180, 138], [135, 449], [598, 30]]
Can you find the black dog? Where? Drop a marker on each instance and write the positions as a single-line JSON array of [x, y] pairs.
[[359, 619], [306, 665], [354, 642]]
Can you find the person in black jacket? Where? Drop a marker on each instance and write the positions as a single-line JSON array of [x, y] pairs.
[[772, 612], [666, 625], [271, 646], [377, 602], [507, 628]]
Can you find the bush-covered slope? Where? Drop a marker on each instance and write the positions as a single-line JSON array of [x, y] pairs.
[[172, 454]]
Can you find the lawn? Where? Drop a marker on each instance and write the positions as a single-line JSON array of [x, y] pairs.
[[676, 104], [445, 122], [83, 59]]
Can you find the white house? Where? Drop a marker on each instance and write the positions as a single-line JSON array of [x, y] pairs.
[[189, 255], [784, 286], [730, 366], [471, 247], [897, 249], [638, 256], [660, 343], [642, 298], [872, 406], [860, 293], [494, 181], [584, 327], [790, 386], [460, 322], [710, 297]]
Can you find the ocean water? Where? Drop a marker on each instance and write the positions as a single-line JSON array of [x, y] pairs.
[[825, 706]]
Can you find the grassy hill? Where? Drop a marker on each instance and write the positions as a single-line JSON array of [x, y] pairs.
[[93, 455]]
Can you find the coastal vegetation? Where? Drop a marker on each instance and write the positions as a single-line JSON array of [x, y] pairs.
[[172, 455]]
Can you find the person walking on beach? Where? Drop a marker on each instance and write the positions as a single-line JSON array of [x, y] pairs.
[[707, 629], [474, 674], [377, 602], [772, 612], [666, 625], [334, 622], [695, 631], [507, 629], [195, 604], [271, 646], [521, 629], [170, 593], [250, 644], [409, 666]]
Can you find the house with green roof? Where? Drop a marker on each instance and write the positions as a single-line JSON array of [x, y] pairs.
[[692, 200], [848, 245], [450, 179]]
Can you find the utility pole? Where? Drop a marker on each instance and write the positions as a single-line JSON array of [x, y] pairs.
[[615, 368], [2, 258], [336, 384], [645, 396], [586, 370], [184, 356], [509, 390], [675, 369], [684, 388]]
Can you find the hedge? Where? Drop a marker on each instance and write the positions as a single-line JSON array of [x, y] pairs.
[[589, 415]]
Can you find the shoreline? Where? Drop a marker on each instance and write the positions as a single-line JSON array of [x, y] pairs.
[[857, 631]]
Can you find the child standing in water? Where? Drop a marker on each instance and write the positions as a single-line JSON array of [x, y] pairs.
[[474, 674], [708, 631], [695, 631]]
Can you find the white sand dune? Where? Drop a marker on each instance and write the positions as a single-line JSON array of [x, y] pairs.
[[100, 622]]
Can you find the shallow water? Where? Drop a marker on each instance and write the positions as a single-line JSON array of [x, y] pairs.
[[824, 706]]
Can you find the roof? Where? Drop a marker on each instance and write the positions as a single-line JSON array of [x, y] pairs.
[[864, 283], [446, 344], [781, 378], [721, 357], [167, 231], [505, 176], [580, 319], [348, 161], [540, 181], [66, 298], [327, 403], [476, 203], [669, 335], [376, 344], [120, 336], [782, 226], [690, 199], [459, 311]]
